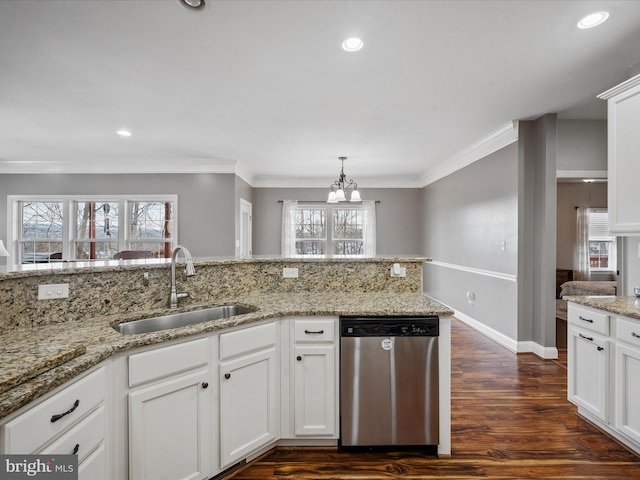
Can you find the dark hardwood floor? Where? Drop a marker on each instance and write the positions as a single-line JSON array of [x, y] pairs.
[[510, 419]]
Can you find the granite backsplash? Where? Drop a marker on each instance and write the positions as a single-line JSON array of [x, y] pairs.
[[122, 288]]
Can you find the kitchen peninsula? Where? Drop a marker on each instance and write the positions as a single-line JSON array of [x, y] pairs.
[[56, 346]]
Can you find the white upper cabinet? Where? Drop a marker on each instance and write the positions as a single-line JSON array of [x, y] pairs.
[[624, 156]]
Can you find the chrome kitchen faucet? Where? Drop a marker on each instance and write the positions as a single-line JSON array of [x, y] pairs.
[[190, 271]]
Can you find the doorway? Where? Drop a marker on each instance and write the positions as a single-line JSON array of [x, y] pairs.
[[246, 222]]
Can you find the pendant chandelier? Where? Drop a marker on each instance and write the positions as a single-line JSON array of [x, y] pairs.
[[340, 187]]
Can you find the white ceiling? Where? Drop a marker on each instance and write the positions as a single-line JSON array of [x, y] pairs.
[[263, 87]]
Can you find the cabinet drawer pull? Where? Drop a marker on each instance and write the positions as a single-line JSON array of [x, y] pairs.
[[227, 376], [312, 332], [586, 338], [299, 358], [634, 334], [205, 384], [600, 348], [75, 449], [55, 418], [585, 319]]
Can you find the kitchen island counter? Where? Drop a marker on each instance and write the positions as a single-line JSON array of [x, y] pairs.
[[77, 345]]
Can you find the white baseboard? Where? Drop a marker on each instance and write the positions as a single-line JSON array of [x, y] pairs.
[[547, 353]]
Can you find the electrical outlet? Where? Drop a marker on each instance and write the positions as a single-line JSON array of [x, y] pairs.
[[471, 298], [53, 291], [398, 271], [289, 272]]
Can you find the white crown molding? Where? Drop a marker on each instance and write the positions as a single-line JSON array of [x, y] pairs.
[[363, 182], [242, 171], [204, 165], [612, 92], [505, 135]]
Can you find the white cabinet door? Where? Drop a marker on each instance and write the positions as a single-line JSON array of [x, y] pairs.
[[169, 437], [314, 390], [624, 161], [588, 372], [628, 391], [248, 405]]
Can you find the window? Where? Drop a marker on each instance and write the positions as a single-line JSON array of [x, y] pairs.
[[326, 230], [67, 229], [602, 245], [41, 231]]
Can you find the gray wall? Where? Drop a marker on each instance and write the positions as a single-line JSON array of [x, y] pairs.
[[398, 217], [571, 195], [537, 230], [466, 216], [582, 145], [205, 201]]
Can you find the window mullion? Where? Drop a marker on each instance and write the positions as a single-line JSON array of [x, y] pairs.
[[329, 246], [68, 230], [123, 220]]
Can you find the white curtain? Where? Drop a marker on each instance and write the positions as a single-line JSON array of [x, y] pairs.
[[369, 228], [288, 246], [581, 249]]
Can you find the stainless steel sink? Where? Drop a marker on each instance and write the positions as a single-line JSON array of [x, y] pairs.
[[176, 320]]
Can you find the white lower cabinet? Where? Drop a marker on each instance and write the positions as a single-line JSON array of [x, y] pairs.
[[249, 379], [588, 385], [604, 371], [70, 421], [314, 377], [628, 379], [170, 419]]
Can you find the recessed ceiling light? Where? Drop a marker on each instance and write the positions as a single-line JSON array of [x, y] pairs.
[[593, 20], [352, 44], [124, 133]]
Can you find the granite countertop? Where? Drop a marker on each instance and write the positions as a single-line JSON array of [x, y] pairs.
[[36, 360], [101, 266], [625, 306]]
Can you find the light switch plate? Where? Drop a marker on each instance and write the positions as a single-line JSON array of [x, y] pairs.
[[53, 291], [289, 272]]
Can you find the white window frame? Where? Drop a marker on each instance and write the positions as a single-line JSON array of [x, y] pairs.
[[602, 236], [369, 250], [69, 218]]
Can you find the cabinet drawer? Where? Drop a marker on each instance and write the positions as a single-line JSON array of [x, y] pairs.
[[247, 340], [165, 361], [28, 432], [628, 331], [81, 439], [589, 318], [313, 330]]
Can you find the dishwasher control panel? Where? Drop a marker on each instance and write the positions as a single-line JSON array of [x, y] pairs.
[[389, 326]]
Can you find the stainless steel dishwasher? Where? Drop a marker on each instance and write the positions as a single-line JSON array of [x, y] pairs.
[[389, 381]]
